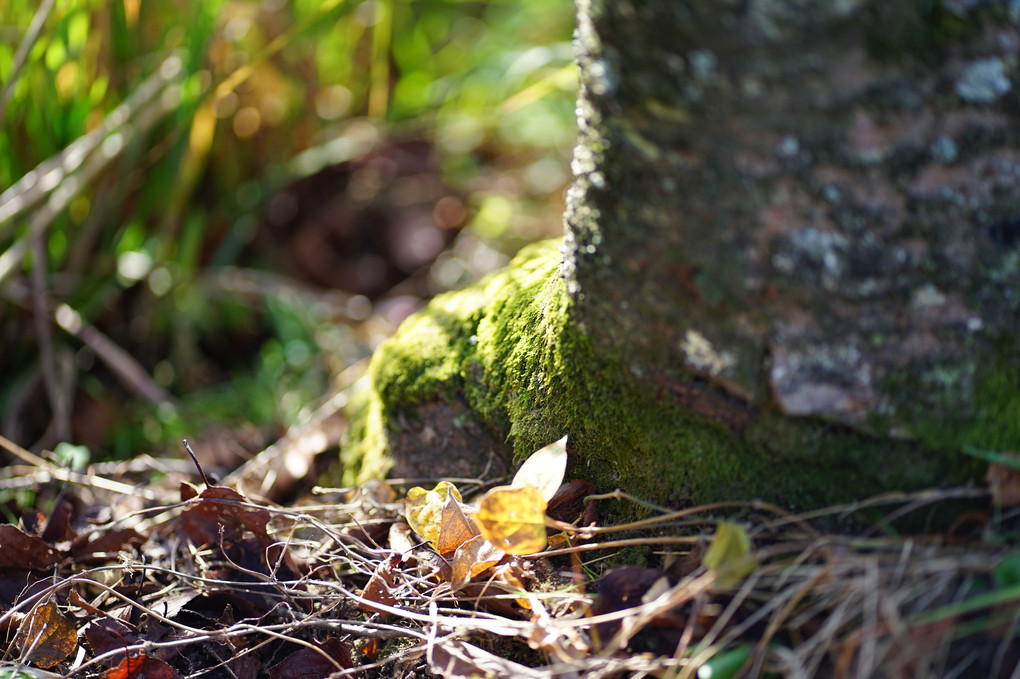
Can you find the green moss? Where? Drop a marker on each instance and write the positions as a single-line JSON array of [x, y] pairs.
[[991, 418], [509, 349], [916, 29]]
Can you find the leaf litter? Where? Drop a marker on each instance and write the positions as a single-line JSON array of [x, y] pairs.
[[385, 581]]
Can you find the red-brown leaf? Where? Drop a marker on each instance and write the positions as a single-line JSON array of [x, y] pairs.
[[110, 542], [379, 586], [221, 508], [109, 634], [20, 550], [142, 667], [308, 663]]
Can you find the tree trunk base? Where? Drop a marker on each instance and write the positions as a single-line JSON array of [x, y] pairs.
[[491, 373]]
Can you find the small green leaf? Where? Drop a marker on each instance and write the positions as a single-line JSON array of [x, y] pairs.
[[728, 555], [1007, 573], [726, 664]]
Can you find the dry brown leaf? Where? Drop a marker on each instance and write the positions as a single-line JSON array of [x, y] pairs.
[[332, 655], [379, 586], [473, 557], [455, 527], [21, 550], [46, 637], [222, 512], [513, 519]]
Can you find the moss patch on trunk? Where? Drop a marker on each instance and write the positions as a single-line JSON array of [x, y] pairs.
[[505, 359]]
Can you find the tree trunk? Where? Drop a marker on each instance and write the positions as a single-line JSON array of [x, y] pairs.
[[790, 268]]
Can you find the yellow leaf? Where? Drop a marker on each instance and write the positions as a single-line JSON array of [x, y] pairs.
[[513, 519], [544, 470], [728, 556], [424, 509]]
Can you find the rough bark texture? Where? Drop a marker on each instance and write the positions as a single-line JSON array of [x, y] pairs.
[[792, 247]]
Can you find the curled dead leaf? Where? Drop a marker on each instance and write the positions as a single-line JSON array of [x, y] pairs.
[[472, 558]]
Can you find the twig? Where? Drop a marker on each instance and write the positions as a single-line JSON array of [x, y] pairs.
[[130, 372], [60, 409], [55, 472]]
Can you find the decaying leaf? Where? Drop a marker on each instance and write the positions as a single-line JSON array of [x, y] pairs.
[[109, 634], [142, 667], [221, 513], [46, 637], [456, 659], [20, 550], [513, 519], [424, 509], [473, 557], [728, 555], [544, 469], [455, 527], [329, 656], [379, 586]]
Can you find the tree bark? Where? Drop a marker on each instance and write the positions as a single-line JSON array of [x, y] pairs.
[[790, 267]]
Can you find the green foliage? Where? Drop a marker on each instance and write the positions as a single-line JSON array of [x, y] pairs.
[[161, 128]]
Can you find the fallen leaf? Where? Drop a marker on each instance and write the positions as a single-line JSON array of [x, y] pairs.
[[20, 550], [223, 511], [46, 637], [631, 586], [58, 527], [473, 557], [424, 509], [513, 519], [455, 659], [568, 503], [455, 528], [400, 538], [544, 469], [142, 667], [108, 542], [109, 634], [309, 663], [728, 555], [379, 586]]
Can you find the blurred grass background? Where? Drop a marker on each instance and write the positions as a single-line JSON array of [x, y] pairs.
[[208, 210]]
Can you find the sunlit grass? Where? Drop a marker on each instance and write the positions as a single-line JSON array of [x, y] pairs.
[[141, 141]]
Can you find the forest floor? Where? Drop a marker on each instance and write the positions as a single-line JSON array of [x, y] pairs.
[[145, 569]]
